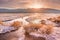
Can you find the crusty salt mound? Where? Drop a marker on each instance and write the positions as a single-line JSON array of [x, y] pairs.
[[31, 27]]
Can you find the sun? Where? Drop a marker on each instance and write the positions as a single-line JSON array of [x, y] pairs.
[[35, 6]]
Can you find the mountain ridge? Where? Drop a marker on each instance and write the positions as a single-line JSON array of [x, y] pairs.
[[30, 10]]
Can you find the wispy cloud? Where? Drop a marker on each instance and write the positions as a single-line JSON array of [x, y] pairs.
[[14, 3], [24, 3], [51, 3]]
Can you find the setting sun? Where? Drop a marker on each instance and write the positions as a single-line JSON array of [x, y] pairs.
[[36, 6]]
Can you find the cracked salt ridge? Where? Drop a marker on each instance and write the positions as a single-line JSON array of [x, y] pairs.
[[4, 29], [53, 36]]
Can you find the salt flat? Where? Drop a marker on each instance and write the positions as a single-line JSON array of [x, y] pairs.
[[10, 16]]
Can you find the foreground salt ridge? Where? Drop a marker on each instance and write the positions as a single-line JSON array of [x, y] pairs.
[[21, 31], [52, 36], [7, 25]]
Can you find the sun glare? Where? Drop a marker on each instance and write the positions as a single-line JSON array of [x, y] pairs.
[[36, 6]]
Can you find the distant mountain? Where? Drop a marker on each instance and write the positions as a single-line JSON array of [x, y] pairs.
[[30, 10], [45, 10]]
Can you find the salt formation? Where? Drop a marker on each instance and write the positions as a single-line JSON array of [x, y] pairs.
[[33, 26], [53, 31], [4, 29]]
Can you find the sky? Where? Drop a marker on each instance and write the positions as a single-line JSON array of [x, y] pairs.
[[25, 3]]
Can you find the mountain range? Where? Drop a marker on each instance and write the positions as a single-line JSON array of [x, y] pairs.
[[30, 10]]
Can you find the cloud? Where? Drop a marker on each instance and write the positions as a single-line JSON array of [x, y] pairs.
[[24, 3], [51, 3], [13, 3]]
